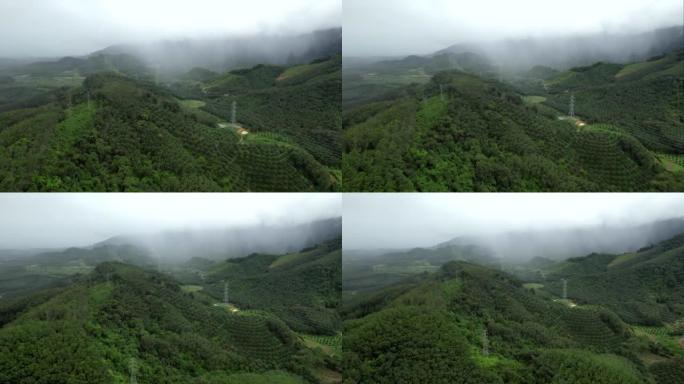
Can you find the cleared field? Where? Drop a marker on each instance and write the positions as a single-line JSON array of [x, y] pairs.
[[193, 104], [531, 100], [191, 288], [673, 163], [298, 70], [632, 68], [414, 76], [329, 344], [406, 269]]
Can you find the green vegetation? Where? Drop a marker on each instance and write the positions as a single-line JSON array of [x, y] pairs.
[[98, 321], [302, 289], [487, 136], [118, 131], [471, 323]]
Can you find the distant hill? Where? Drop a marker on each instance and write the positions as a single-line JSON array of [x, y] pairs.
[[224, 54], [565, 52], [228, 243], [121, 318]]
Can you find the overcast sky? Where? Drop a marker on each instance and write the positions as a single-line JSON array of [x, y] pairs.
[[402, 27], [406, 220], [62, 220], [33, 28]]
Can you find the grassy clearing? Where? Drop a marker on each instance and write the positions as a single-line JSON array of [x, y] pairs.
[[63, 270], [413, 76], [415, 268], [272, 377], [191, 288], [298, 71], [534, 286], [193, 104], [78, 122], [621, 259], [331, 345], [673, 163], [531, 100], [632, 68], [660, 336]]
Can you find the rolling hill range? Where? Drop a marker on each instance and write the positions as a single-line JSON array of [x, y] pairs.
[[120, 320], [110, 123], [644, 287], [469, 323], [459, 131], [301, 288]]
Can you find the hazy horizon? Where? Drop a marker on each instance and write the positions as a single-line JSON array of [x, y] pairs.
[[31, 221], [55, 28], [405, 221], [402, 27]]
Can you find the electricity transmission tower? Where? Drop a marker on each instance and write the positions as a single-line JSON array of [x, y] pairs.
[[225, 292], [565, 289], [441, 92], [134, 370], [572, 105], [485, 343], [234, 109]]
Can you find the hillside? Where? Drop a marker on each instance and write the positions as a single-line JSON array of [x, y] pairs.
[[118, 133], [120, 316], [471, 324], [644, 287], [652, 89], [22, 275], [461, 132], [301, 288]]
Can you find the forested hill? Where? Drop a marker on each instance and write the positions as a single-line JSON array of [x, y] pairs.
[[302, 288], [472, 324], [644, 287], [461, 132], [116, 133], [121, 319]]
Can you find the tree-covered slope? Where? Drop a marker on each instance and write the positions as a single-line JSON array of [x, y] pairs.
[[118, 134], [461, 132], [301, 288], [472, 324], [121, 318], [288, 106], [644, 99], [644, 287]]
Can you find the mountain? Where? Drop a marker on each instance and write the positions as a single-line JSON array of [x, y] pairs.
[[221, 244], [224, 54], [122, 322], [565, 52], [467, 323], [457, 131], [119, 133], [561, 244]]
